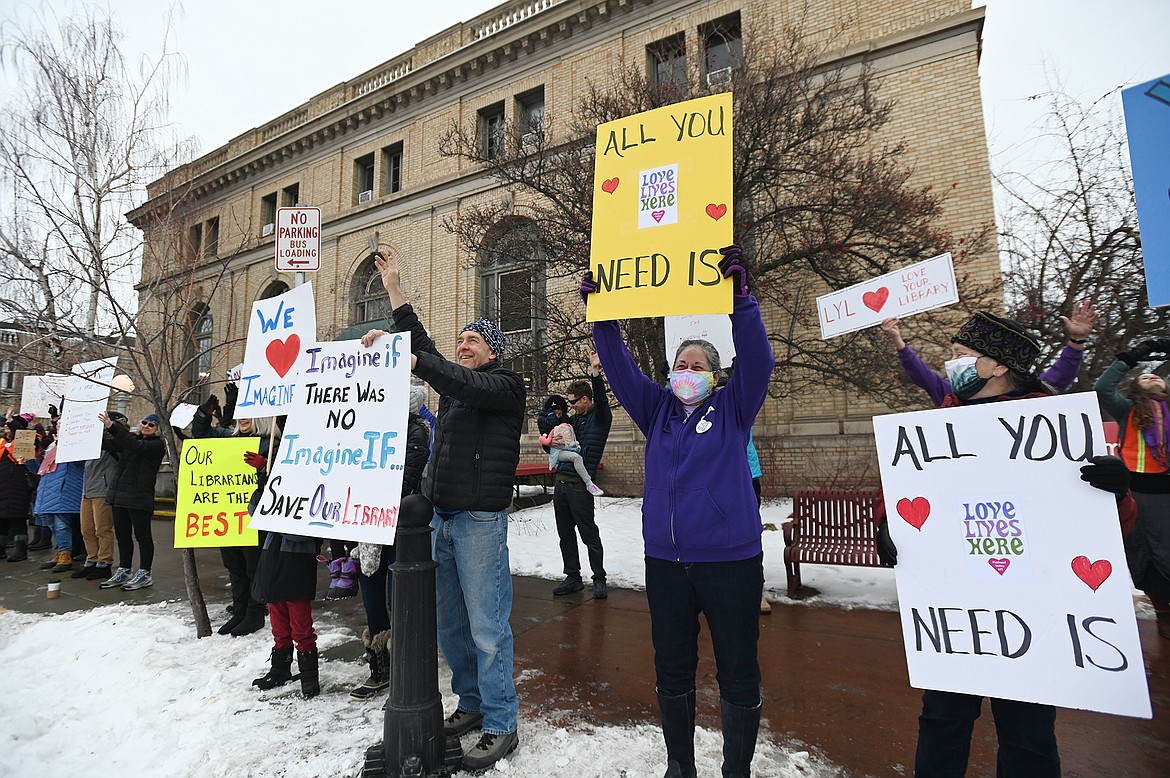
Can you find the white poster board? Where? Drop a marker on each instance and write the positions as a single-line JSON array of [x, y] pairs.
[[338, 471], [183, 414], [79, 433], [712, 327], [38, 392], [914, 289], [280, 330], [1011, 576]]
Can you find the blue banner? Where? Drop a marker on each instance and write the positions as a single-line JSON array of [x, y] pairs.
[[1147, 121]]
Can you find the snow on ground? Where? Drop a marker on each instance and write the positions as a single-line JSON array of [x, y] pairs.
[[127, 690]]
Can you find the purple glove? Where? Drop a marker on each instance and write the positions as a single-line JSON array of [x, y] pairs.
[[588, 286], [732, 266]]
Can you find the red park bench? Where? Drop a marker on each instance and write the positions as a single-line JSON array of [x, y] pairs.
[[830, 527], [538, 474]]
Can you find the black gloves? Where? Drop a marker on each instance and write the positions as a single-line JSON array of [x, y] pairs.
[[1108, 474], [1144, 351], [230, 393], [733, 266], [887, 551], [210, 406]]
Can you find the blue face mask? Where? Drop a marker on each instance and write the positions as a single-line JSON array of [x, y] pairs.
[[691, 387], [965, 379]]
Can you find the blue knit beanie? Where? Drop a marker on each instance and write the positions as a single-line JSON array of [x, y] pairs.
[[491, 334]]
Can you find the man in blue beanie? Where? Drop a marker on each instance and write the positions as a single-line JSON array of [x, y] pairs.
[[469, 481]]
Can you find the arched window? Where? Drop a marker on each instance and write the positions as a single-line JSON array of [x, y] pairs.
[[370, 301], [200, 344], [512, 285], [275, 289]]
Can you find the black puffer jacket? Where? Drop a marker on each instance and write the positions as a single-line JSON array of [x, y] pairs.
[[15, 490], [592, 430], [481, 416], [139, 459]]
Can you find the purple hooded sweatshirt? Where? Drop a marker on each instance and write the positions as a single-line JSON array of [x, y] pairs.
[[699, 504]]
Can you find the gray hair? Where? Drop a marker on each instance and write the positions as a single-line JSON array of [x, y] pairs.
[[709, 351]]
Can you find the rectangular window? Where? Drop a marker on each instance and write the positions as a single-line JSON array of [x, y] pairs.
[[195, 241], [392, 168], [212, 244], [516, 300], [491, 131], [290, 196], [267, 213], [7, 375], [363, 178], [722, 48], [667, 65], [530, 115]]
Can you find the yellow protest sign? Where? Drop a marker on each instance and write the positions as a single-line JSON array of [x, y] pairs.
[[662, 209], [215, 485]]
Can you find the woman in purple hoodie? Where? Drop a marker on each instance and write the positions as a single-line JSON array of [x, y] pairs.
[[700, 520]]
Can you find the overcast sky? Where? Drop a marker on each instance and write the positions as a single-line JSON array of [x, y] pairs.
[[249, 61]]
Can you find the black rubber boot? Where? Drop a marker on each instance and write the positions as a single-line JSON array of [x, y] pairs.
[[378, 655], [232, 622], [3, 546], [310, 681], [740, 727], [19, 551], [677, 713], [253, 620], [42, 539], [280, 672]]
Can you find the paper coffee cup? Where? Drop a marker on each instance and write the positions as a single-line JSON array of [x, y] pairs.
[[54, 590]]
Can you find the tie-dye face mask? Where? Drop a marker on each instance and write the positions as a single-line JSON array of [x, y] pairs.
[[691, 387]]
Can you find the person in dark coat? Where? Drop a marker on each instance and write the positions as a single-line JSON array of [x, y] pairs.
[[16, 492], [240, 561], [131, 496], [469, 481], [374, 577], [286, 579]]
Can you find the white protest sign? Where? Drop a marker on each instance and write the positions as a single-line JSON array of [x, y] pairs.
[[1012, 579], [280, 330], [914, 289], [183, 414], [298, 240], [38, 392], [79, 433], [338, 471], [714, 328]]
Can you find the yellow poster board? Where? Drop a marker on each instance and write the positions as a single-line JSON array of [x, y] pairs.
[[215, 485], [662, 209]]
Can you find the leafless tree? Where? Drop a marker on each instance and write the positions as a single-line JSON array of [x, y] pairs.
[[823, 201], [1069, 232], [83, 136]]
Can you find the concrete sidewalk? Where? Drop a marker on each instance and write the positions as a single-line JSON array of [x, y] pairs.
[[834, 680]]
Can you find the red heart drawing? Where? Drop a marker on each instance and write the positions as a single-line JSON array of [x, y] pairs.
[[1000, 565], [876, 299], [915, 511], [716, 212], [658, 215], [282, 354], [1092, 573], [610, 184]]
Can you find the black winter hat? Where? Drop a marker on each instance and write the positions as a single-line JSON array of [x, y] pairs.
[[1004, 340]]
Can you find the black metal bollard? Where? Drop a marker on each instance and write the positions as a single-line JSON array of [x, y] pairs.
[[413, 743]]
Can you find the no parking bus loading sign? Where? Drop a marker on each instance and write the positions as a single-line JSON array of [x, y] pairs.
[[298, 240]]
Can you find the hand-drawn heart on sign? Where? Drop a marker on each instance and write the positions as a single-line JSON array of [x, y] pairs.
[[915, 511], [876, 299], [716, 212], [1092, 573], [281, 354], [658, 215], [999, 565], [610, 184]]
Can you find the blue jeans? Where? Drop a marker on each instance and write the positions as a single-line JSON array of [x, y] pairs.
[[1026, 733], [62, 529], [728, 595], [473, 584]]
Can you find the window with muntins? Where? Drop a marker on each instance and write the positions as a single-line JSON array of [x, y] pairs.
[[363, 178], [722, 47], [512, 287], [392, 168], [491, 130], [667, 66], [200, 352]]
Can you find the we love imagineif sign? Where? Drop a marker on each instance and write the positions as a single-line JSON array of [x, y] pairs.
[[338, 471], [280, 331], [914, 289], [215, 485], [662, 209], [1011, 575]]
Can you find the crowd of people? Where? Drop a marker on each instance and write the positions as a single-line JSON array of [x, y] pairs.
[[700, 514]]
